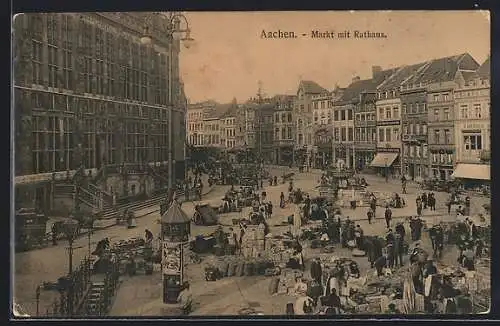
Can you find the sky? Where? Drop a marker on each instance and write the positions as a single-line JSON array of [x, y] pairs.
[[229, 57]]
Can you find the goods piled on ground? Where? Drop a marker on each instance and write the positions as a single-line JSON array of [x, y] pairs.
[[345, 197], [236, 266], [133, 254], [286, 281], [253, 242]]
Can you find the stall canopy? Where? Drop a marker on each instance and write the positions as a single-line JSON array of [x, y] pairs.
[[472, 171], [383, 159]]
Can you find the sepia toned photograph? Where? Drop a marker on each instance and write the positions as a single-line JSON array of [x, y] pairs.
[[171, 164]]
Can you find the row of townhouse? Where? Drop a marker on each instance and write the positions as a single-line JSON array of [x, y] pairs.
[[211, 124], [425, 120]]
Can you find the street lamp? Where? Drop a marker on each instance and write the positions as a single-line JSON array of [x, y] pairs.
[[169, 25], [70, 228]]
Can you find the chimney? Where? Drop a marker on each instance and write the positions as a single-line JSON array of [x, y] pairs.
[[376, 70], [355, 79]]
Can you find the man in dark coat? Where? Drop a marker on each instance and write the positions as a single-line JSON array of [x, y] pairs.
[[373, 205], [307, 207], [388, 216], [436, 234], [390, 255], [369, 214], [419, 208], [316, 270], [373, 246], [416, 228], [400, 229], [389, 237], [379, 265], [424, 200], [398, 250], [432, 201]]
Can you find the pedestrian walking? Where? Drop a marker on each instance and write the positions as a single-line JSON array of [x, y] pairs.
[[419, 208], [403, 184], [424, 200], [369, 214], [373, 205], [390, 255], [54, 233], [400, 229], [432, 201], [388, 216], [358, 237], [398, 250]]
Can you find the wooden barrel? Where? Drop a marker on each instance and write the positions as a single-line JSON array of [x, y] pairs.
[[273, 285], [231, 271], [260, 267], [225, 268], [249, 268], [240, 269]]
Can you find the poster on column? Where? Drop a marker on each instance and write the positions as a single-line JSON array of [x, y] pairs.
[[171, 260]]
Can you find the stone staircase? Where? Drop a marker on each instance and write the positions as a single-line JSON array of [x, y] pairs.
[[95, 298], [101, 202]]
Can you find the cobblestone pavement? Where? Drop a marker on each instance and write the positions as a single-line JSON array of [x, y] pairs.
[[229, 295], [141, 295], [33, 267]]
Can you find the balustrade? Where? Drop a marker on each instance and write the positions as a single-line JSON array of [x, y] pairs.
[[74, 292]]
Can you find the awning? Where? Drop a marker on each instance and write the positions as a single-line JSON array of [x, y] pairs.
[[472, 171], [383, 159]]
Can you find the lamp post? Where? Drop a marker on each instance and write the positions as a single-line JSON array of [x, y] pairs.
[[70, 228], [90, 226], [169, 26], [38, 292]]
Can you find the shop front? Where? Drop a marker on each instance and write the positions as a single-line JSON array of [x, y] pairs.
[[473, 173], [386, 163]]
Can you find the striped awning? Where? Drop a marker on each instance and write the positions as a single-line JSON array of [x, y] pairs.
[[383, 159], [472, 171]]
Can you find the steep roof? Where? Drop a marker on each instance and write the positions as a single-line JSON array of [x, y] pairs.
[[175, 214], [484, 71], [400, 74], [219, 110], [383, 75], [355, 88], [231, 111], [311, 87], [468, 75], [443, 69]]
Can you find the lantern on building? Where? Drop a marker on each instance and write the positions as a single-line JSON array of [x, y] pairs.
[[175, 231]]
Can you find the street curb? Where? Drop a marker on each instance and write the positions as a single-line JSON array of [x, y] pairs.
[[142, 215]]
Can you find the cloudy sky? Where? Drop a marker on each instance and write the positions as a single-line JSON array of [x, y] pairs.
[[229, 56]]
